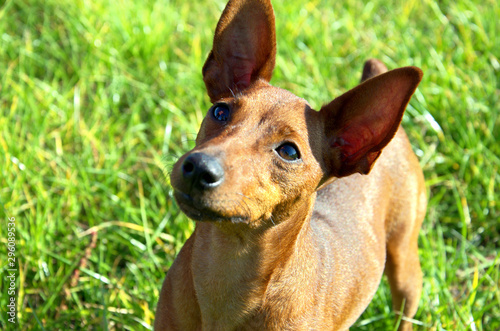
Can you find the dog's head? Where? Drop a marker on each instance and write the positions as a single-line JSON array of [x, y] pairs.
[[261, 151]]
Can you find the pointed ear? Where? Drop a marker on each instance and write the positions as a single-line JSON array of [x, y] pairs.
[[372, 68], [362, 121], [244, 48]]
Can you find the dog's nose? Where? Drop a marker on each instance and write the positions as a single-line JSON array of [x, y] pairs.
[[202, 171]]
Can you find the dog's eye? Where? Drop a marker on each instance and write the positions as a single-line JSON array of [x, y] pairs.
[[288, 152], [220, 112]]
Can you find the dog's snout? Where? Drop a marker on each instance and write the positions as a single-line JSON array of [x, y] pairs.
[[202, 171]]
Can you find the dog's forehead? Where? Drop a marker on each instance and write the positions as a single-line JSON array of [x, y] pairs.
[[267, 101]]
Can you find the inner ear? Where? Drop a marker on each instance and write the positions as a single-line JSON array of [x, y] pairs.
[[362, 121], [244, 48]]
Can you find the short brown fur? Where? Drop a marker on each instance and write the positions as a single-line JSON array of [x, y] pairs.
[[290, 235]]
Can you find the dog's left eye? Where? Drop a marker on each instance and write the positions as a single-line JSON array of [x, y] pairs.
[[220, 112], [288, 152]]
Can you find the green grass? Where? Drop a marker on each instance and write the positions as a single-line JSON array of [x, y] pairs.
[[98, 99]]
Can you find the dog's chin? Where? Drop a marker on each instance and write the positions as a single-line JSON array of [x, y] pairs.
[[200, 211]]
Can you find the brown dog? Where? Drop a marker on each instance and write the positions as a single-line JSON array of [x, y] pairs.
[[289, 234]]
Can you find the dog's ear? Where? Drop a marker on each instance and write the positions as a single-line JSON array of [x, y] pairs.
[[244, 48], [372, 68], [362, 121]]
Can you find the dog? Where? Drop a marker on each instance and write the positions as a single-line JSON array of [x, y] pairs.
[[298, 212]]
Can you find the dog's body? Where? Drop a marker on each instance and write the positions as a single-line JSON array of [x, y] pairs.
[[289, 236]]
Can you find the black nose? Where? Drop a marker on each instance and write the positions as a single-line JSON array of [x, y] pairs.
[[202, 171]]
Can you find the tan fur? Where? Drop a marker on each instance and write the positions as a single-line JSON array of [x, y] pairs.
[[293, 245]]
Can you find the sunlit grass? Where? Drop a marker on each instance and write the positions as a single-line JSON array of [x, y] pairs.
[[98, 99]]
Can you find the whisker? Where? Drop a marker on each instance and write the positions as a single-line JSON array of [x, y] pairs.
[[247, 206], [230, 89], [168, 162]]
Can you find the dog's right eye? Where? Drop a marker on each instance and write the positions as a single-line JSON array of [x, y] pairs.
[[220, 112]]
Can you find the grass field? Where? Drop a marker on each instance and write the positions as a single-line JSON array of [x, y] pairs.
[[99, 98]]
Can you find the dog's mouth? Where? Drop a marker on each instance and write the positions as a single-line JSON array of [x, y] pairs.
[[211, 210]]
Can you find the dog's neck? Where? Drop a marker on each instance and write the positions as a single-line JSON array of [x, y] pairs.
[[233, 292]]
